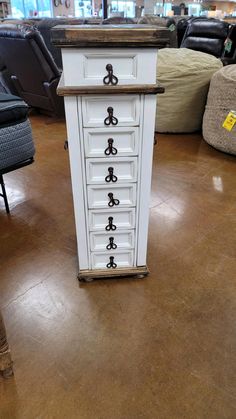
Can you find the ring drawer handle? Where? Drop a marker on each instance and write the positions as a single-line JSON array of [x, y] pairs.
[[111, 244], [112, 201], [111, 177], [111, 264], [110, 78], [110, 119], [110, 149], [110, 225]]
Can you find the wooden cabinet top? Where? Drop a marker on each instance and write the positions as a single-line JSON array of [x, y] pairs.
[[70, 36]]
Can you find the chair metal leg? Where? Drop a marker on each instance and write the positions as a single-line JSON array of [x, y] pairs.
[[4, 194]]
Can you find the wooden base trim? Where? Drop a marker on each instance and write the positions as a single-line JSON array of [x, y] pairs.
[[90, 275], [147, 89]]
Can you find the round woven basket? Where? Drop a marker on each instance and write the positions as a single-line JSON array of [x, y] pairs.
[[221, 100]]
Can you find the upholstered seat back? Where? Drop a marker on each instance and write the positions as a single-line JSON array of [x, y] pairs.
[[206, 35], [29, 63]]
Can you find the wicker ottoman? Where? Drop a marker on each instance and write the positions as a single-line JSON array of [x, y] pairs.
[[16, 143], [221, 100]]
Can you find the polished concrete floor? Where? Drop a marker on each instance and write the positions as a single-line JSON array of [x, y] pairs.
[[159, 348]]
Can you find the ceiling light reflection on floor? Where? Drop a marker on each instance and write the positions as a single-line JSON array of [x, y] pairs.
[[217, 183], [173, 212]]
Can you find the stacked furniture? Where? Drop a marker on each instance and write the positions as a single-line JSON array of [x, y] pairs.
[[16, 143], [110, 103]]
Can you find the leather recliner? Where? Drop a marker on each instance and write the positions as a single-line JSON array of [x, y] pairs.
[[206, 35], [31, 67]]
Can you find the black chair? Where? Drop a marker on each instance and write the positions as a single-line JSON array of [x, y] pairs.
[[16, 144], [32, 70], [206, 35]]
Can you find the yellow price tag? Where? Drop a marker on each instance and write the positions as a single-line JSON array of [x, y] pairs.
[[229, 121]]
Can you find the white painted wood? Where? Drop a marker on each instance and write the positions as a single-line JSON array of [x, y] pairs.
[[123, 240], [123, 219], [125, 140], [126, 108], [146, 154], [125, 170], [78, 179], [123, 259], [98, 195], [132, 137], [88, 66]]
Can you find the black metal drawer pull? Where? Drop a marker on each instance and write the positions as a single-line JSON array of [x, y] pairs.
[[110, 149], [112, 201], [110, 78], [111, 264], [111, 177], [110, 225], [111, 244], [110, 120]]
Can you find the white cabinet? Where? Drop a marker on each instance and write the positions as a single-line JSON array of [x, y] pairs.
[[110, 135]]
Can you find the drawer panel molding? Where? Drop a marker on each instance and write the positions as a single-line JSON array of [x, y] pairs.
[[122, 219], [120, 259], [111, 196], [88, 68], [112, 241], [112, 171], [125, 110], [124, 142]]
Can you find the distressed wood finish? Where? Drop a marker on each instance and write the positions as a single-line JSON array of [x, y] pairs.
[[89, 275], [5, 355], [110, 36], [147, 89]]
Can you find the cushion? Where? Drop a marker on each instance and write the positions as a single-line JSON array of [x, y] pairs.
[[16, 144], [185, 75], [12, 110]]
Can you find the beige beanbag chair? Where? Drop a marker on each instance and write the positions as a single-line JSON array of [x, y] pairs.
[[186, 76], [221, 100]]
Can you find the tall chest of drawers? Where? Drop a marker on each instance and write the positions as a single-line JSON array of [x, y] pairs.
[[109, 87]]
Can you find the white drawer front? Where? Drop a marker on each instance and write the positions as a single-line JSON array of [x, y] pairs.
[[126, 110], [122, 219], [112, 241], [124, 196], [97, 142], [112, 171], [121, 259], [88, 67]]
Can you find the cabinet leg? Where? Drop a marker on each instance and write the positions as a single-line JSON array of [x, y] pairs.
[[5, 355]]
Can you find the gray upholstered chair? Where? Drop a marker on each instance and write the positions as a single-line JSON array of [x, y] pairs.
[[16, 143]]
